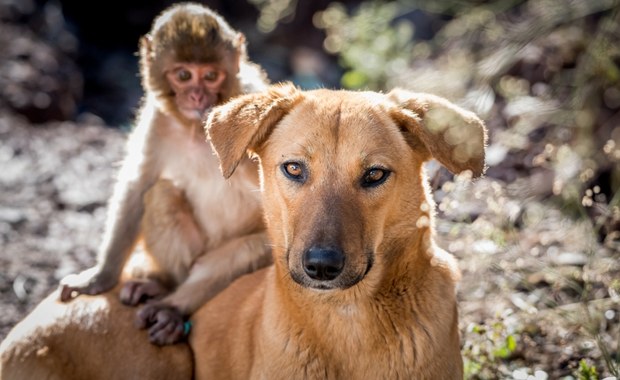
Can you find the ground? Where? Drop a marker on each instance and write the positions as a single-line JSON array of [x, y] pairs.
[[54, 185]]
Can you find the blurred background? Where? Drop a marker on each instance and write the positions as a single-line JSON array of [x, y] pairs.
[[538, 239]]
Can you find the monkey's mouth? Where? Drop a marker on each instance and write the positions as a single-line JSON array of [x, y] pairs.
[[198, 114]]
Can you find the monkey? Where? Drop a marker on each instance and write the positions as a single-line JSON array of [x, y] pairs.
[[199, 230]]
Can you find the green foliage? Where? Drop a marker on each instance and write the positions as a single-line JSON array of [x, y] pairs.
[[486, 346], [372, 44], [586, 371], [273, 12]]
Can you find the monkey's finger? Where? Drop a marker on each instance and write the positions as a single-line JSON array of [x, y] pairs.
[[159, 331], [125, 294], [147, 290], [67, 293], [130, 294], [168, 332], [145, 317]]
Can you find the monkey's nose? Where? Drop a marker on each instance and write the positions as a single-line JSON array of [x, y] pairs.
[[197, 97], [323, 264]]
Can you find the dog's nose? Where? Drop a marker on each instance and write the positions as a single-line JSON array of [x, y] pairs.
[[323, 264]]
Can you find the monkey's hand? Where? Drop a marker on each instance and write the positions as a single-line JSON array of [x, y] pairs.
[[136, 291], [91, 281], [166, 323]]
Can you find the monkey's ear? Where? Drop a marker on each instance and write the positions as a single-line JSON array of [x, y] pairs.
[[455, 137], [146, 50], [240, 44], [242, 124]]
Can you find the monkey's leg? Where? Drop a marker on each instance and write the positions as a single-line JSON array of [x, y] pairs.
[[172, 239], [210, 274]]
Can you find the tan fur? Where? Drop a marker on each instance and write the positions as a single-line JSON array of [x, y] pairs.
[[93, 338], [201, 229], [400, 320]]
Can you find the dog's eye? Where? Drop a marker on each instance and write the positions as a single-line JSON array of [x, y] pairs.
[[294, 171], [374, 177]]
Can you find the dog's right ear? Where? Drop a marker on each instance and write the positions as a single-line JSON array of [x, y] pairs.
[[242, 124]]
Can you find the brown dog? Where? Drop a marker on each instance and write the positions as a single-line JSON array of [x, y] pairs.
[[358, 288]]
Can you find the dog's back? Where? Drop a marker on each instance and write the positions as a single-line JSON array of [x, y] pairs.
[[92, 337]]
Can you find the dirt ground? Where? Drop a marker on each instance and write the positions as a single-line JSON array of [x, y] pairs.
[[538, 293], [54, 184]]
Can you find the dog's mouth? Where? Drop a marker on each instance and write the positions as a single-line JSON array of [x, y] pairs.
[[326, 273]]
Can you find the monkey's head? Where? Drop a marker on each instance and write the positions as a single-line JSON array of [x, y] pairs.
[[190, 60]]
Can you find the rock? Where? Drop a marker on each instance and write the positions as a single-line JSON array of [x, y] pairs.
[[12, 216], [485, 246], [570, 258]]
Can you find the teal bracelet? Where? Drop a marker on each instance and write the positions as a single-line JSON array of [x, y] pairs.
[[187, 327]]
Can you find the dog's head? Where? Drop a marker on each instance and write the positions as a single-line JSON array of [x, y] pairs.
[[343, 186]]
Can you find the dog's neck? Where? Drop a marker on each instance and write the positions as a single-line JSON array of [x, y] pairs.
[[387, 309]]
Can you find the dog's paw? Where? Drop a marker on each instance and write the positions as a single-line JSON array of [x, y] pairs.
[[91, 281], [166, 324], [137, 291]]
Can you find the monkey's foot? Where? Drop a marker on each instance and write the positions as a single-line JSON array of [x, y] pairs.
[[166, 323], [90, 281], [137, 291]]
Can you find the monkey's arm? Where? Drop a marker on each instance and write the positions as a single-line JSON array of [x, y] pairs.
[[216, 269], [209, 275], [126, 207]]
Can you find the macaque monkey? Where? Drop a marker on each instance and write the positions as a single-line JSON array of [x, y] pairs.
[[200, 230]]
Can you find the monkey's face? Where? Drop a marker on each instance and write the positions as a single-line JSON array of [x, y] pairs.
[[196, 87]]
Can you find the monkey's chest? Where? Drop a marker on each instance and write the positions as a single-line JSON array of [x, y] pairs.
[[221, 207]]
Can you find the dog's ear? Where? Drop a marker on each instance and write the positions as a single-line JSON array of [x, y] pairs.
[[455, 137], [245, 122]]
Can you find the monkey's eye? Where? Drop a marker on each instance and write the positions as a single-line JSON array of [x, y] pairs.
[[374, 177], [211, 76], [184, 75], [294, 171]]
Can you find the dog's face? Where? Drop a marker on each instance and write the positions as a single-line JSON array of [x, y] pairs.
[[334, 172], [341, 173]]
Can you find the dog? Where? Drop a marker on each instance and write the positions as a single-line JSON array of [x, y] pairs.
[[358, 288]]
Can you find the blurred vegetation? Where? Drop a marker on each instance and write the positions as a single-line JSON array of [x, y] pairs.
[[273, 12], [529, 67], [489, 343]]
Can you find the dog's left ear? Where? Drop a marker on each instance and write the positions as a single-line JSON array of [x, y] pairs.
[[245, 122], [455, 137]]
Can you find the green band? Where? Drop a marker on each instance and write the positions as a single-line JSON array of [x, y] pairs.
[[187, 327]]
